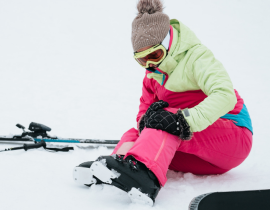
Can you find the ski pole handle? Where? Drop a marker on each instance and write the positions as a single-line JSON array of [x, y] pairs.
[[34, 146]]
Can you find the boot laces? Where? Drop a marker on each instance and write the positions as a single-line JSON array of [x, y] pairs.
[[133, 164], [120, 158], [131, 161]]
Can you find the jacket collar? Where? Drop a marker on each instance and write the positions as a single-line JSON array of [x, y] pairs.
[[169, 63]]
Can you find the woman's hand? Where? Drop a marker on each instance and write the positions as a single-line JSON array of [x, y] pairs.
[[156, 106], [151, 110], [158, 118], [164, 120]]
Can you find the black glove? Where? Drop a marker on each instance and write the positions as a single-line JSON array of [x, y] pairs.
[[152, 108], [175, 124], [156, 106]]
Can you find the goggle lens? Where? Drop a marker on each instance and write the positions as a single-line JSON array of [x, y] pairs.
[[155, 56]]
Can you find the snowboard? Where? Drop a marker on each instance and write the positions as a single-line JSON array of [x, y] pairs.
[[239, 200]]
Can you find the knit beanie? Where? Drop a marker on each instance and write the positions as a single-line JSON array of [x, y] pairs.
[[150, 26]]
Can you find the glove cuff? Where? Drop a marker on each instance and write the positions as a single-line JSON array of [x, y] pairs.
[[184, 128]]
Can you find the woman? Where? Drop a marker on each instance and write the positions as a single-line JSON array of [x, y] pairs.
[[190, 118]]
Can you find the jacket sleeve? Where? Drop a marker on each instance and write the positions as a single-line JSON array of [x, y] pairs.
[[148, 97], [214, 81]]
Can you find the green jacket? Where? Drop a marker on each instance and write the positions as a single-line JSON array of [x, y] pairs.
[[192, 66]]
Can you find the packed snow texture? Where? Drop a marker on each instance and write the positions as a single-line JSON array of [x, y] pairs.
[[69, 65]]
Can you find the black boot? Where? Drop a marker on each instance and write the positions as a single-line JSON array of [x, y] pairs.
[[129, 175]]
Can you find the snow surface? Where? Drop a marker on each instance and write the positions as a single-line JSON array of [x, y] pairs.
[[68, 64]]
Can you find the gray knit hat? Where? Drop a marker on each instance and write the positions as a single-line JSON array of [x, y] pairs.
[[150, 26]]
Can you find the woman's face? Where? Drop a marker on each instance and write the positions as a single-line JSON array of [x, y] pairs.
[[145, 48]]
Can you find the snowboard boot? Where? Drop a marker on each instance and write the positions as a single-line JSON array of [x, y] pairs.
[[127, 174]]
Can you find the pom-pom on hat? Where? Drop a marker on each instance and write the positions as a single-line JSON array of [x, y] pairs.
[[150, 26]]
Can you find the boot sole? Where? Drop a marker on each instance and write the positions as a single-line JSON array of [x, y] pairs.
[[137, 196], [85, 176]]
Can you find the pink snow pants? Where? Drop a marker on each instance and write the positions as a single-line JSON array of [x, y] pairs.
[[215, 150]]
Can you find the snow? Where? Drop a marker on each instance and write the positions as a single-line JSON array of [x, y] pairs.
[[68, 64]]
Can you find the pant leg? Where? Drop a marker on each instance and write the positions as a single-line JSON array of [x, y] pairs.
[[223, 144], [188, 163], [126, 142], [156, 149]]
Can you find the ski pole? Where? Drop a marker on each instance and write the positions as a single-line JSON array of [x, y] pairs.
[[27, 146], [42, 143], [38, 132]]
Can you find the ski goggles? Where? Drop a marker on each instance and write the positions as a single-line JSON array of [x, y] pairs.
[[154, 55]]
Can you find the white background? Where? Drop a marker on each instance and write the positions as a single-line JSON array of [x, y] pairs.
[[68, 64]]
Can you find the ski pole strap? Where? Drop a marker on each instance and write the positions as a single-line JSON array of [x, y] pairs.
[[43, 144], [65, 149], [33, 146]]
